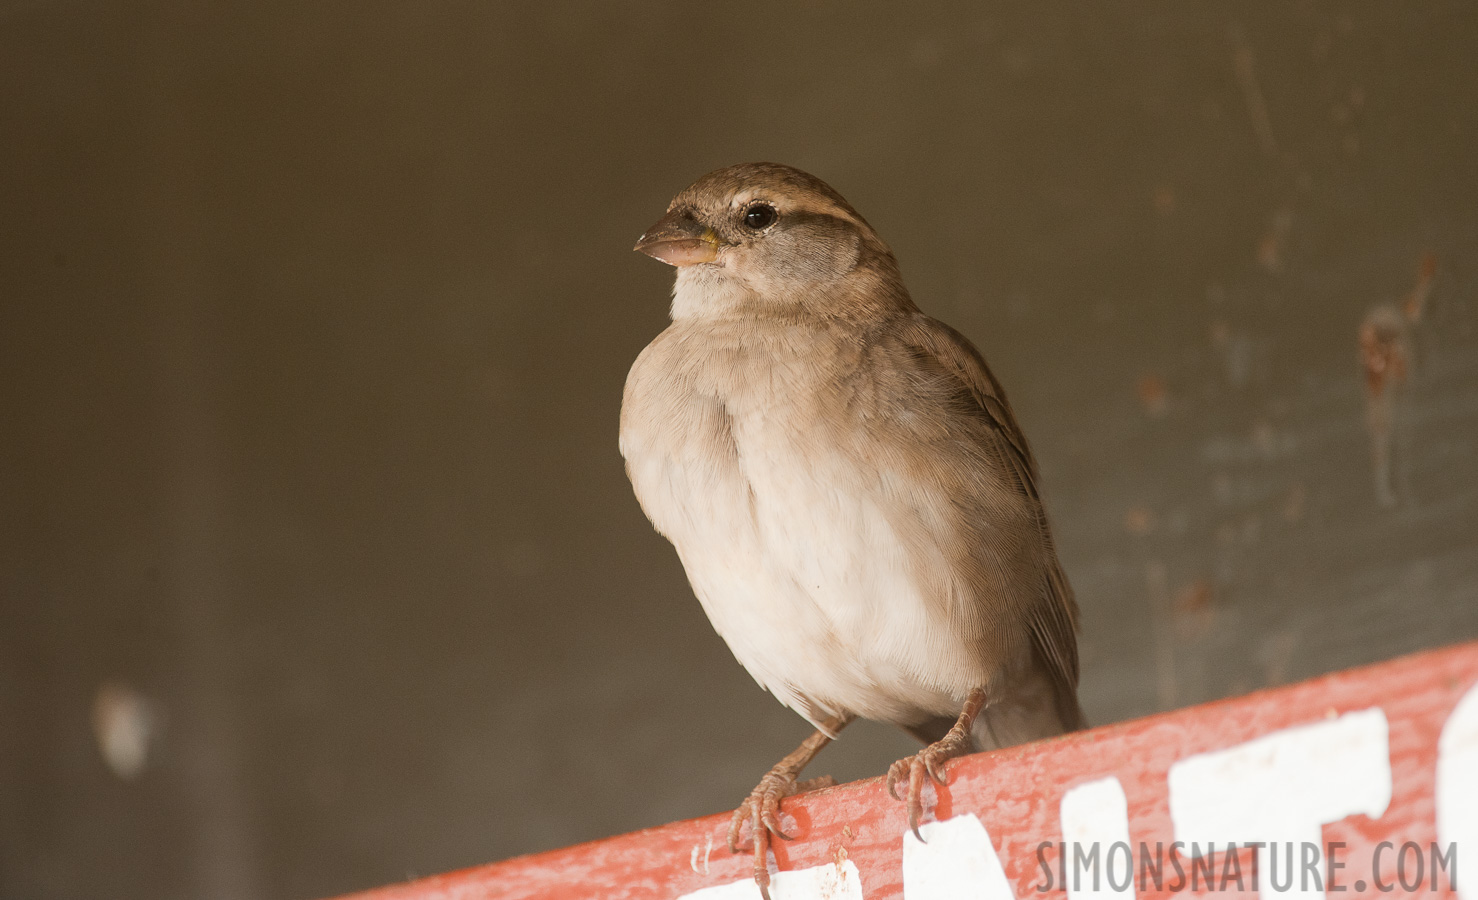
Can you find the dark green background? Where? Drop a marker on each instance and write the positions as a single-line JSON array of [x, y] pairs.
[[314, 320]]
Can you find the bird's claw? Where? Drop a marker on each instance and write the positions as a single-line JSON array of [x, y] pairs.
[[928, 762], [762, 810]]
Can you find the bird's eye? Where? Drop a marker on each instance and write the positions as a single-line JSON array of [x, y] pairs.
[[760, 216]]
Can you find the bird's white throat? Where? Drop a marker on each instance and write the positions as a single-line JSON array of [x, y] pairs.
[[705, 291]]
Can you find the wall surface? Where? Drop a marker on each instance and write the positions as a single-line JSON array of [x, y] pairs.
[[318, 566]]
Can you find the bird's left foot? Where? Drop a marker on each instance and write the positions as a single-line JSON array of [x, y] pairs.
[[762, 810], [930, 760]]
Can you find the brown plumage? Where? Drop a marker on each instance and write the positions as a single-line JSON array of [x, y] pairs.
[[846, 485]]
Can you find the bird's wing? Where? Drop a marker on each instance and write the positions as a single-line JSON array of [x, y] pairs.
[[941, 345], [1054, 619]]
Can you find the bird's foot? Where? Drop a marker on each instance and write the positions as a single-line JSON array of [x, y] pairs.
[[762, 810], [928, 761]]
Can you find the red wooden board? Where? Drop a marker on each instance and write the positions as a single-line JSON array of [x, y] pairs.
[[1366, 739]]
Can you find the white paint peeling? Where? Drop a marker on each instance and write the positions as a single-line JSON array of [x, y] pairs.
[[706, 849]]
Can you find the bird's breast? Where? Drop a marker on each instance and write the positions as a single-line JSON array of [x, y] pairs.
[[756, 455]]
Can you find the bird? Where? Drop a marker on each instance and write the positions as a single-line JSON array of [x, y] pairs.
[[847, 488]]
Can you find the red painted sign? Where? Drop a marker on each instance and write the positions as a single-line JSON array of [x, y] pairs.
[[1361, 783]]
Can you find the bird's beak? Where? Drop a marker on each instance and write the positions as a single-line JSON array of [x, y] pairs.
[[679, 240]]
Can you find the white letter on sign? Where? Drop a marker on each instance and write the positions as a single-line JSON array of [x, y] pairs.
[[957, 863], [1282, 788], [1095, 818], [1457, 790], [828, 882]]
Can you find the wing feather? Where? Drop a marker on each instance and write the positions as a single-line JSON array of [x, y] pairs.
[[1054, 620]]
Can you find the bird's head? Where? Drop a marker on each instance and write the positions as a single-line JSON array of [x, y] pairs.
[[766, 237]]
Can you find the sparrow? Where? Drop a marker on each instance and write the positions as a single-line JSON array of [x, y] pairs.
[[847, 487]]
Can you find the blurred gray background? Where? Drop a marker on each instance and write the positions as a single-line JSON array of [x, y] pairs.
[[318, 566]]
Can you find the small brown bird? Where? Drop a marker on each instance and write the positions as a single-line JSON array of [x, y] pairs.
[[847, 488]]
